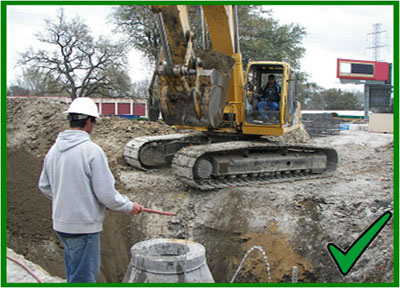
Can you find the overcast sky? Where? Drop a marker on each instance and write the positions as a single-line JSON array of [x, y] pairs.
[[332, 32]]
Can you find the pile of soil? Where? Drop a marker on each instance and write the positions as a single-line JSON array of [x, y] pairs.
[[33, 124], [213, 59], [293, 221], [32, 127], [29, 224]]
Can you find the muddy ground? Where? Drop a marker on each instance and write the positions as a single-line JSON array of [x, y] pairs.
[[292, 221]]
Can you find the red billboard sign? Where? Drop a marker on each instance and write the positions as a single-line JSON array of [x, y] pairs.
[[362, 70]]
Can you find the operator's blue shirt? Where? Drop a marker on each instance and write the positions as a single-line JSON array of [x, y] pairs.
[[275, 97]]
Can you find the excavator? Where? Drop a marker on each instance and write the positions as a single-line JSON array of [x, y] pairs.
[[206, 91]]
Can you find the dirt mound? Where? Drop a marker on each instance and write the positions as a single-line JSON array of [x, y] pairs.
[[33, 124], [297, 136], [293, 221], [32, 127], [29, 224], [213, 59], [22, 170], [281, 257]]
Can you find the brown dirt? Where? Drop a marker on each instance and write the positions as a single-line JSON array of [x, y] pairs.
[[29, 225], [32, 127], [280, 256], [213, 59], [176, 39], [293, 222]]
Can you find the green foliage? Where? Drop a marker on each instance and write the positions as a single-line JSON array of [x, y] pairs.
[[139, 25], [306, 91], [261, 38], [336, 99], [332, 99]]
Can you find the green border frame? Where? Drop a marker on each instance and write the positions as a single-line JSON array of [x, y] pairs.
[[3, 149]]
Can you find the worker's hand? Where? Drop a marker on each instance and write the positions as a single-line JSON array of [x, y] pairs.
[[137, 208]]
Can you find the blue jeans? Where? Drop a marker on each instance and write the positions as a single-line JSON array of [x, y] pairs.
[[81, 256], [264, 106]]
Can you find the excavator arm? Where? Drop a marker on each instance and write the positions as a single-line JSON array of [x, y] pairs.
[[195, 87]]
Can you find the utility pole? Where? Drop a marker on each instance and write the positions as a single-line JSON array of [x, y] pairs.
[[376, 46], [376, 40]]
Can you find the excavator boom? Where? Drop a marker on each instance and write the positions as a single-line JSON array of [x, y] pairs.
[[193, 94]]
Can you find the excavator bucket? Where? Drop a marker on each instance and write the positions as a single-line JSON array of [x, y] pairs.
[[195, 84], [204, 108]]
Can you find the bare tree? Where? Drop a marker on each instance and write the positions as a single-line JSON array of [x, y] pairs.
[[83, 66], [140, 89]]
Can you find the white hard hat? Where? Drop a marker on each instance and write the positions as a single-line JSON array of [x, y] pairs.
[[85, 106]]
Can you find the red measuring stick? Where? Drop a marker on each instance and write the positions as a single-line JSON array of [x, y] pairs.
[[158, 212]]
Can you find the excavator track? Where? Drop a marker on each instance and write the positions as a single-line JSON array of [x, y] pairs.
[[149, 152], [201, 164], [266, 162]]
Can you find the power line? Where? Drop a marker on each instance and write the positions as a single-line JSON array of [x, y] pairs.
[[376, 40]]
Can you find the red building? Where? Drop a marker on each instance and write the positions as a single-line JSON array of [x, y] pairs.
[[124, 107]]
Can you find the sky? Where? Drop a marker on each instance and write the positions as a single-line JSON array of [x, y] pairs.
[[338, 32], [24, 22], [333, 32]]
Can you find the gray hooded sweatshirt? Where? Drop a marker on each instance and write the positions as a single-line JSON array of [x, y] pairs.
[[77, 179]]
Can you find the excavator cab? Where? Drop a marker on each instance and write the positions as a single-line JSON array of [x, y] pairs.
[[270, 95]]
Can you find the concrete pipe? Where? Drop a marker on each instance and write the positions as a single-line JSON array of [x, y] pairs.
[[168, 261]]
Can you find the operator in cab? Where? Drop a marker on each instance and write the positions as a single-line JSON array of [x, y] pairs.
[[269, 97]]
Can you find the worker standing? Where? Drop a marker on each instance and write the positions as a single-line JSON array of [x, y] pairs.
[[77, 179]]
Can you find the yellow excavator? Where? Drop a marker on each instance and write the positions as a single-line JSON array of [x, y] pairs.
[[206, 91]]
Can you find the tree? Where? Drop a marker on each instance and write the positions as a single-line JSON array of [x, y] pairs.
[[83, 66], [316, 102], [140, 89], [34, 83], [138, 23], [260, 38], [332, 99], [17, 90], [308, 93], [336, 99]]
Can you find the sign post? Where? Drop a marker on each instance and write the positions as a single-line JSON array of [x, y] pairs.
[[370, 73]]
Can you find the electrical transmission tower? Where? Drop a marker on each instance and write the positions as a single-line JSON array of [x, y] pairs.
[[376, 40]]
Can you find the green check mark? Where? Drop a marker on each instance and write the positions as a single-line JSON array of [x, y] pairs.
[[346, 260]]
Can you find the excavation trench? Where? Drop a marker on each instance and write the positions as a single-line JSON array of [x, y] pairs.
[[293, 222], [30, 233]]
